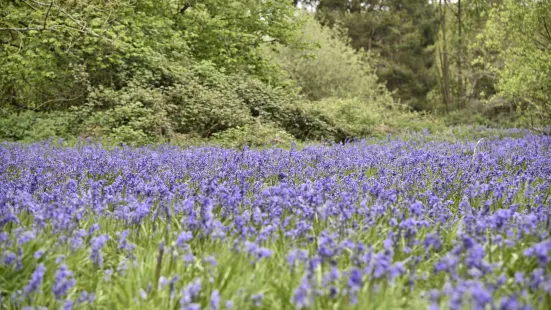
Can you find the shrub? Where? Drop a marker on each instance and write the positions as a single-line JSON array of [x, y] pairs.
[[271, 105], [206, 110], [34, 126], [134, 114], [331, 67], [254, 135]]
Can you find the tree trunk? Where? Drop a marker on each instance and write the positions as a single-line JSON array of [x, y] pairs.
[[445, 62], [460, 56]]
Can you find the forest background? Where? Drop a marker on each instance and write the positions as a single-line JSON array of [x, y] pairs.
[[265, 72]]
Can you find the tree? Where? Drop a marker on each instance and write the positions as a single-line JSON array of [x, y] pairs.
[[444, 62], [332, 68], [53, 52], [525, 77], [465, 60], [401, 32], [461, 99]]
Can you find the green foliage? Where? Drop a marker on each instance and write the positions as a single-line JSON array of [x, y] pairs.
[[272, 105], [332, 68], [254, 135], [82, 44], [145, 71], [359, 118], [67, 47], [207, 110], [459, 117], [242, 72], [133, 114], [34, 126], [526, 75], [402, 35], [230, 33]]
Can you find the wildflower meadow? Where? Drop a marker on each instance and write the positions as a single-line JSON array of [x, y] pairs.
[[389, 224]]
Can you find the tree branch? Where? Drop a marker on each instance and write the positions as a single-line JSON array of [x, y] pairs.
[[546, 29], [32, 7], [60, 100], [40, 3], [9, 43], [184, 8], [28, 29], [47, 14], [188, 5]]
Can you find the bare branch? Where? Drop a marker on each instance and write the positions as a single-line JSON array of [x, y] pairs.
[[28, 4], [60, 100], [47, 14], [184, 8], [9, 43], [187, 5], [538, 44], [77, 22], [40, 3], [547, 29], [28, 29]]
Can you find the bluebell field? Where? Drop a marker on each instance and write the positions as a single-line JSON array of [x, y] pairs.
[[388, 224]]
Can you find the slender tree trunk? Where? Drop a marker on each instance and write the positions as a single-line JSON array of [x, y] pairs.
[[445, 62], [460, 56]]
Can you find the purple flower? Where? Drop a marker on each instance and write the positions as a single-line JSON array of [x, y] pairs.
[[301, 295], [540, 251], [63, 282], [85, 297], [26, 237], [509, 303], [192, 306], [519, 277], [327, 247], [183, 238], [95, 251], [432, 240], [93, 229], [296, 255], [215, 300], [59, 259], [355, 279], [68, 305], [189, 259], [143, 294], [417, 208], [434, 296], [190, 293], [396, 270], [38, 254], [9, 258], [36, 280], [211, 260], [256, 252], [257, 299], [229, 304], [481, 296], [76, 241], [123, 242]]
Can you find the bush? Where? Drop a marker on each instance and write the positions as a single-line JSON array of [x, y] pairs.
[[275, 106], [332, 68], [359, 118], [34, 126], [254, 135], [459, 117], [134, 114], [207, 110]]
